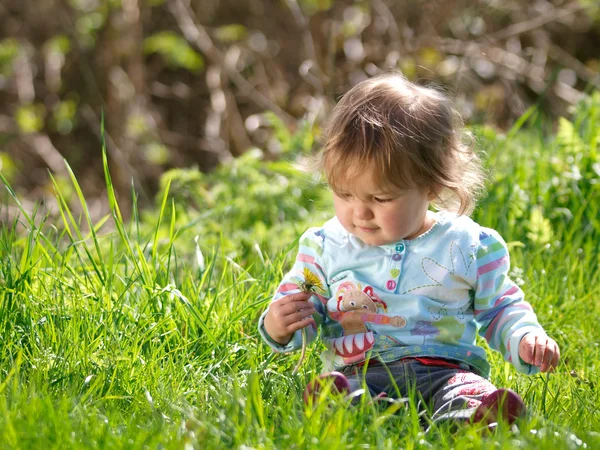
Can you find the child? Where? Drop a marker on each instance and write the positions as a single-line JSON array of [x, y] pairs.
[[396, 286]]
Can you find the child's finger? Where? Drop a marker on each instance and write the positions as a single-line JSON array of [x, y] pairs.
[[292, 309], [298, 316], [555, 355], [291, 298], [298, 296], [288, 303], [297, 305], [527, 348], [548, 357], [540, 350], [302, 324]]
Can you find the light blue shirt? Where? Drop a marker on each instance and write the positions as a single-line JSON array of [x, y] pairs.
[[424, 297]]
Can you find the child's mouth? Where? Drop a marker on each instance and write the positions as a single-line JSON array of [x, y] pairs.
[[367, 230]]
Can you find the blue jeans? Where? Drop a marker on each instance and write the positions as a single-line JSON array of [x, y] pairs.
[[448, 392]]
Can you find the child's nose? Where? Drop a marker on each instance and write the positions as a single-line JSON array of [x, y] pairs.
[[362, 211]]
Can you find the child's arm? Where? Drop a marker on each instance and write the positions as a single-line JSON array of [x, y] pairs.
[[380, 319], [507, 321], [292, 309]]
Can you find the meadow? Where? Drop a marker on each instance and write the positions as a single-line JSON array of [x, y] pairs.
[[142, 333]]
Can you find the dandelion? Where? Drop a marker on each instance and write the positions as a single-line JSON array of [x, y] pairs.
[[311, 282]]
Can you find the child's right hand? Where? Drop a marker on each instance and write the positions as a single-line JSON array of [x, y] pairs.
[[287, 315]]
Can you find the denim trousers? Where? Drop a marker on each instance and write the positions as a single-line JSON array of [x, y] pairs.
[[448, 392]]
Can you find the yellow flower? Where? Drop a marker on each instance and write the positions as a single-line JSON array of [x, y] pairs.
[[311, 281]]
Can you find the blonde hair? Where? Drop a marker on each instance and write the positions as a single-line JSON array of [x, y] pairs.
[[408, 135]]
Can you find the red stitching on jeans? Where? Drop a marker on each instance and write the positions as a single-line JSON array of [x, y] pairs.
[[481, 387]]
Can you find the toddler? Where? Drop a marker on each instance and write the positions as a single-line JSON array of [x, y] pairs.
[[394, 285]]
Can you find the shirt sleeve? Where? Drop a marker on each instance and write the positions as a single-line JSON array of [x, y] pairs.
[[307, 271], [500, 309]]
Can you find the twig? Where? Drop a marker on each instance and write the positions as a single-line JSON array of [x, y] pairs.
[[334, 30], [382, 9], [236, 124], [309, 43], [520, 65], [582, 71], [8, 125], [94, 123], [87, 111], [197, 35], [24, 77], [493, 53], [43, 146], [532, 24], [176, 139]]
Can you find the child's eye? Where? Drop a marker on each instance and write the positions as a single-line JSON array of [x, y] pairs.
[[344, 196], [382, 200]]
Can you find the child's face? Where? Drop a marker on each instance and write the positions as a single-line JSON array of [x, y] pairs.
[[379, 217]]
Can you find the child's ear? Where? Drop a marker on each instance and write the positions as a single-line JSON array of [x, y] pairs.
[[433, 192]]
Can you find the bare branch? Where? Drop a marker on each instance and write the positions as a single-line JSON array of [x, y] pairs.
[[236, 124], [582, 71], [309, 43], [88, 113], [382, 9], [197, 35], [536, 22], [8, 125], [24, 77], [94, 123], [42, 145], [495, 54]]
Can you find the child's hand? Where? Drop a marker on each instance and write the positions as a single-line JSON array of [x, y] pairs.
[[398, 321], [287, 315], [539, 350]]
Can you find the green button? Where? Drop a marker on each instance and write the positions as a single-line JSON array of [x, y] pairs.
[[400, 248]]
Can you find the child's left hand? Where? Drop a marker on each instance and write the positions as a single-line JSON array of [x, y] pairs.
[[538, 349]]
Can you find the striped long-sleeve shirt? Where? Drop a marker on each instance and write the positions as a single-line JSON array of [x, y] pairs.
[[424, 297]]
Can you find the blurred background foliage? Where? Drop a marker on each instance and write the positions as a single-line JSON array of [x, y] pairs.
[[187, 86], [543, 193]]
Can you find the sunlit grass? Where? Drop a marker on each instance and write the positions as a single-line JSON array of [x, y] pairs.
[[146, 335]]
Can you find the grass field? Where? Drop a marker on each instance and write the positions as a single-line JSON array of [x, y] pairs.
[[142, 334]]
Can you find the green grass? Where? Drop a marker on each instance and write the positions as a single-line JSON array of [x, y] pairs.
[[143, 334]]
